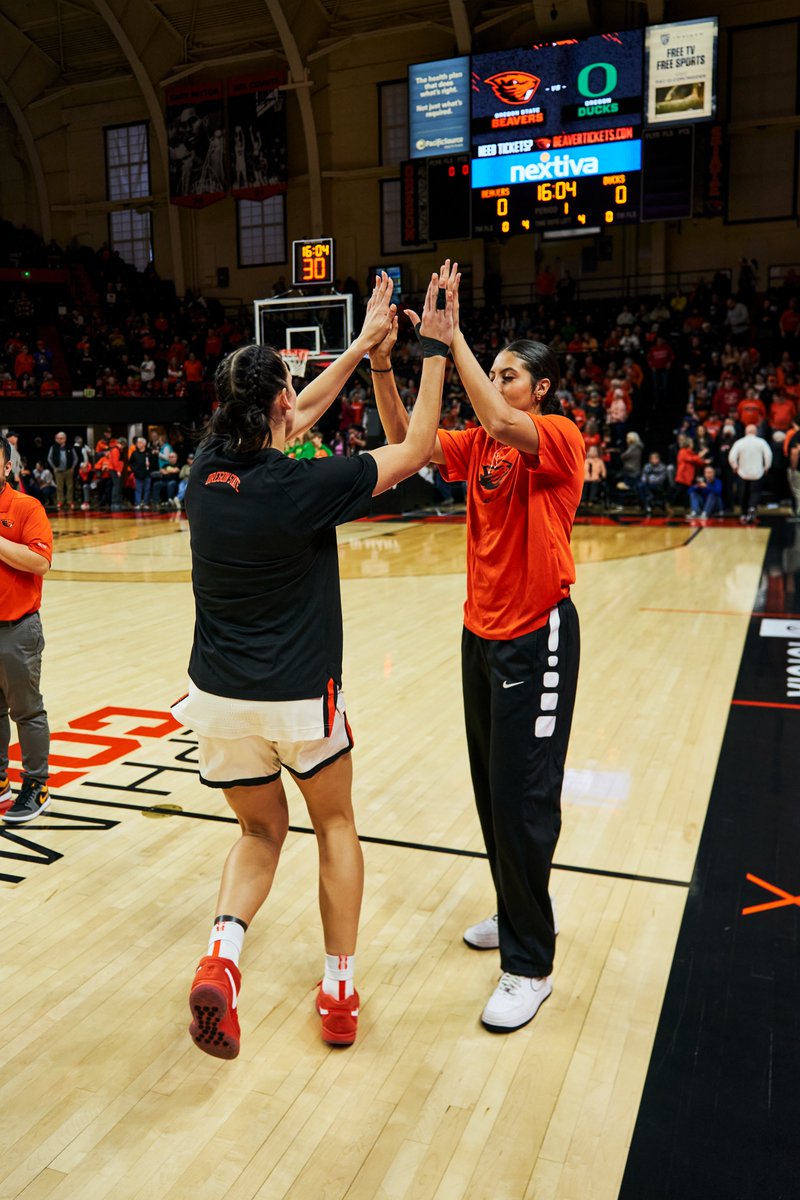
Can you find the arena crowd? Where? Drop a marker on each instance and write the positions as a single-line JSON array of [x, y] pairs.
[[676, 396]]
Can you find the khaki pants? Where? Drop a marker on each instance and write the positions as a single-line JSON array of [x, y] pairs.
[[65, 487]]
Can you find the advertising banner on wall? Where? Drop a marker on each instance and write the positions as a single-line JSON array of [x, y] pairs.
[[198, 163], [257, 131], [680, 72], [438, 99]]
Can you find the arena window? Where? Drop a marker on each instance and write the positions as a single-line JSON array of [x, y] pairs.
[[128, 178], [393, 108], [262, 231]]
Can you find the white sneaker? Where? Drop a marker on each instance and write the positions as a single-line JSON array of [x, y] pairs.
[[515, 1001], [484, 935]]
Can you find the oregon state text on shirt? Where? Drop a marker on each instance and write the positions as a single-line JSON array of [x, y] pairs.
[[224, 477]]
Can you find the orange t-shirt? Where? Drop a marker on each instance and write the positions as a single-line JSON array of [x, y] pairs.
[[24, 521], [781, 412], [193, 370], [520, 510]]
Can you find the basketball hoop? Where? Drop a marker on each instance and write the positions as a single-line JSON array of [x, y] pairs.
[[296, 360]]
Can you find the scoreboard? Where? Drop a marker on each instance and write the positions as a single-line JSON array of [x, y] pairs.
[[556, 136]]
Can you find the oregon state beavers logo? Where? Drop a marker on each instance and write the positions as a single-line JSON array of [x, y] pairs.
[[493, 473], [514, 87]]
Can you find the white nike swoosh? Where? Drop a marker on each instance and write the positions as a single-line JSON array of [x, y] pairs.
[[506, 684], [233, 986]]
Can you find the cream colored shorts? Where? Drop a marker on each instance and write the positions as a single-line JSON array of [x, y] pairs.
[[244, 743]]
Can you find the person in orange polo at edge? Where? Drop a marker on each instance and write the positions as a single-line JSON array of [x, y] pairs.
[[26, 547], [521, 641]]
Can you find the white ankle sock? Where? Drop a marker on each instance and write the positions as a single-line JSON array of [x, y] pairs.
[[227, 938], [339, 973]]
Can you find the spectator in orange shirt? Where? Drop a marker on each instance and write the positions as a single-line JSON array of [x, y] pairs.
[[26, 547], [23, 363], [686, 468], [751, 410], [781, 412]]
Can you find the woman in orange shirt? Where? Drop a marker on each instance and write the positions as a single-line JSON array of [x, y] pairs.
[[520, 647]]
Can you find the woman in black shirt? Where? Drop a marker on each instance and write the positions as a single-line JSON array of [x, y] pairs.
[[265, 667]]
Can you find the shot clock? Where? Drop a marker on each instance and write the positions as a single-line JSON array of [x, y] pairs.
[[312, 262]]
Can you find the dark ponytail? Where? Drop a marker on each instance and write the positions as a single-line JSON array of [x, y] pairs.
[[247, 383], [541, 363]]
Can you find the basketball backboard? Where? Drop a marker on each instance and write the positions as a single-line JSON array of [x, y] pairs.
[[323, 325]]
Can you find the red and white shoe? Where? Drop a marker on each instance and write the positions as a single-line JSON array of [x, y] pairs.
[[213, 1000], [339, 1018]]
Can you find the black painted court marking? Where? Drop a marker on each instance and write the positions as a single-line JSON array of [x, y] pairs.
[[721, 1103], [28, 850], [374, 841]]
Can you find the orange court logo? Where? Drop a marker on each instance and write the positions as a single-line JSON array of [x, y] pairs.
[[91, 744]]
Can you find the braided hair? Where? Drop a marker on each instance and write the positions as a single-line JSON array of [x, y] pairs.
[[541, 363], [247, 383]]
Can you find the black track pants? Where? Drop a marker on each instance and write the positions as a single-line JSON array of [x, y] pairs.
[[519, 697]]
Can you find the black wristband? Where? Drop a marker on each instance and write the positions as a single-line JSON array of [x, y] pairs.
[[381, 370], [433, 348]]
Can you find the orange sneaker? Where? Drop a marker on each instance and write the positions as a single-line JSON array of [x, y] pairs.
[[339, 1018], [6, 796], [213, 1000]]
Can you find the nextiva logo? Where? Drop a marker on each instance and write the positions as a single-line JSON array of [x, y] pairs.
[[533, 168]]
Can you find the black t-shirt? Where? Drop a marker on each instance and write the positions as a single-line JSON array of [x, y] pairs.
[[265, 569]]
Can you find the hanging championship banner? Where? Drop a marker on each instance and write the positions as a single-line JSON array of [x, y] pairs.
[[198, 161], [257, 131]]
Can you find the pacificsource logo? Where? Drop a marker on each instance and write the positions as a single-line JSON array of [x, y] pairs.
[[453, 144]]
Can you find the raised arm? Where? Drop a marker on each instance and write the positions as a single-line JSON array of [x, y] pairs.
[[396, 462], [391, 409], [502, 422], [317, 397]]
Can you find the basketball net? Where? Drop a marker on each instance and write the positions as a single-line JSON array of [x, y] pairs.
[[296, 360]]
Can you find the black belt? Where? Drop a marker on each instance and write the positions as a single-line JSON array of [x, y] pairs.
[[24, 617]]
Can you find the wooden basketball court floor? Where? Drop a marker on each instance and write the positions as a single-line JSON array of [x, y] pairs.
[[107, 904]]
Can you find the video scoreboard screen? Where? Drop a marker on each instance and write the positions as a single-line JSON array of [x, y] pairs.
[[556, 136], [554, 133]]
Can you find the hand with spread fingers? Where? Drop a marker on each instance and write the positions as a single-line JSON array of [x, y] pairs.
[[380, 315]]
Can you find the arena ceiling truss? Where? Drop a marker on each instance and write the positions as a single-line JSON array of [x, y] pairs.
[[56, 47]]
